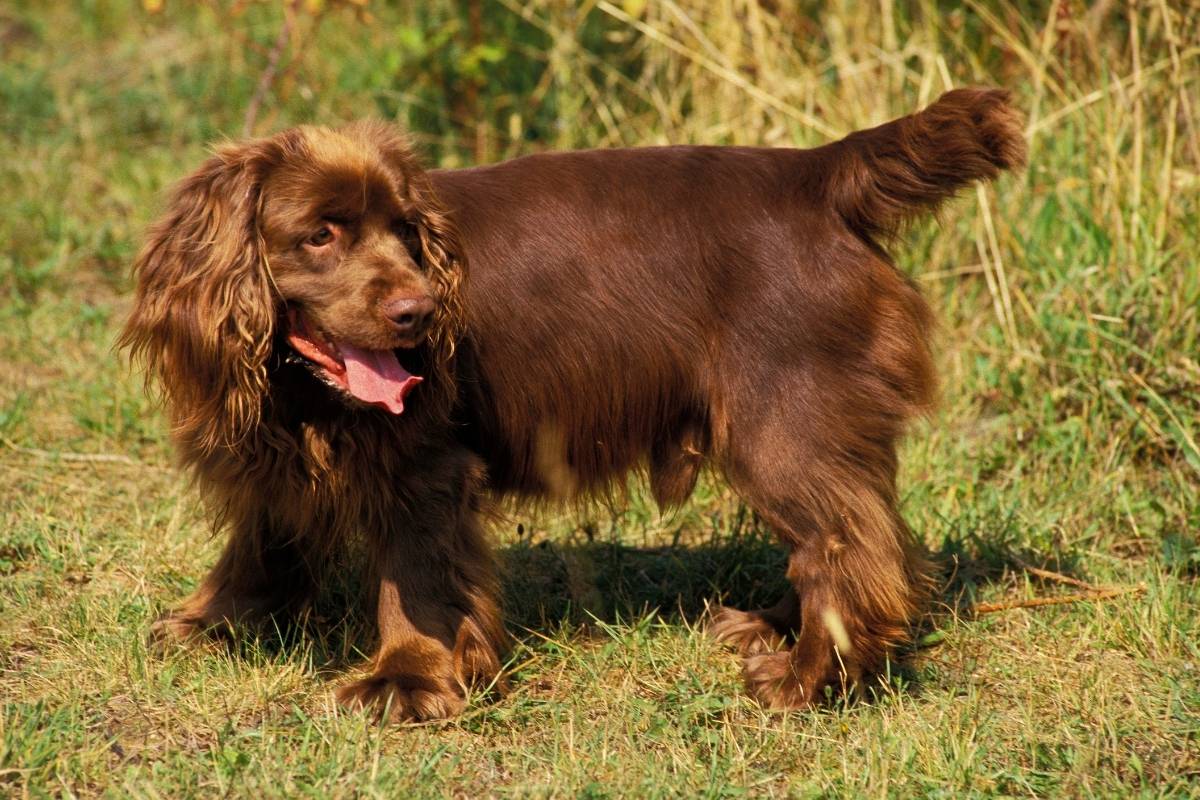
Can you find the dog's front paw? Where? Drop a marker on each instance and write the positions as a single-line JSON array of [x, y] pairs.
[[403, 698]]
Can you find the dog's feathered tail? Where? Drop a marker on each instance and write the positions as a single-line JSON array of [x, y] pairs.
[[884, 176]]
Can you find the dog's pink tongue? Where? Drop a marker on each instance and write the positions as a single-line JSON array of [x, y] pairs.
[[376, 377]]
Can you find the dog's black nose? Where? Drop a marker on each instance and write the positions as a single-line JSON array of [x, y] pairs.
[[411, 314]]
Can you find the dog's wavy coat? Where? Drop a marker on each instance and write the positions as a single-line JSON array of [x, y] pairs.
[[351, 347]]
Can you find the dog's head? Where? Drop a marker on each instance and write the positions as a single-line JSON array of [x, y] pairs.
[[315, 246]]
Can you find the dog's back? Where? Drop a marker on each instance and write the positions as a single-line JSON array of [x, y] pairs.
[[618, 298]]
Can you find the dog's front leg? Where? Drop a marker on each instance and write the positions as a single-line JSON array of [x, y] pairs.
[[266, 569], [440, 628]]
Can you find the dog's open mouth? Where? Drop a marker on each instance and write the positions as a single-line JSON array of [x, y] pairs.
[[374, 377]]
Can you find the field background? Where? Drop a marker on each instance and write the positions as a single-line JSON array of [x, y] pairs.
[[1066, 440]]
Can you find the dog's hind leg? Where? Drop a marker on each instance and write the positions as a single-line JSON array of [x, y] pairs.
[[812, 448], [854, 571]]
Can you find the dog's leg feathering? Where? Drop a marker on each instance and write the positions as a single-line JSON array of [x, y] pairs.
[[440, 629], [260, 573]]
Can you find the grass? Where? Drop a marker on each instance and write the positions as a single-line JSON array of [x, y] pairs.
[[1066, 438]]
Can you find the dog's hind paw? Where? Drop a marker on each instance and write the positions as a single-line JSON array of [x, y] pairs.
[[748, 632]]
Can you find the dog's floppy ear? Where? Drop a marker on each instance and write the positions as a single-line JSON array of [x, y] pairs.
[[204, 312], [442, 258]]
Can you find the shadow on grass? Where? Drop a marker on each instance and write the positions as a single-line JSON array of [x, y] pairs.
[[548, 583], [553, 583]]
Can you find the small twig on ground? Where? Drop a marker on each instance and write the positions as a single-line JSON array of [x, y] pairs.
[[268, 74], [53, 455], [1057, 576], [1099, 594]]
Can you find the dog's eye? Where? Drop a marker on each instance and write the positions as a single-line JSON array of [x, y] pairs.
[[407, 233], [322, 237]]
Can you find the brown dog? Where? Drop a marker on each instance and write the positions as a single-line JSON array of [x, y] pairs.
[[349, 346]]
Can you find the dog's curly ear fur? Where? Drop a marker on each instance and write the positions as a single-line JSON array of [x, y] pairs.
[[204, 313], [442, 257]]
